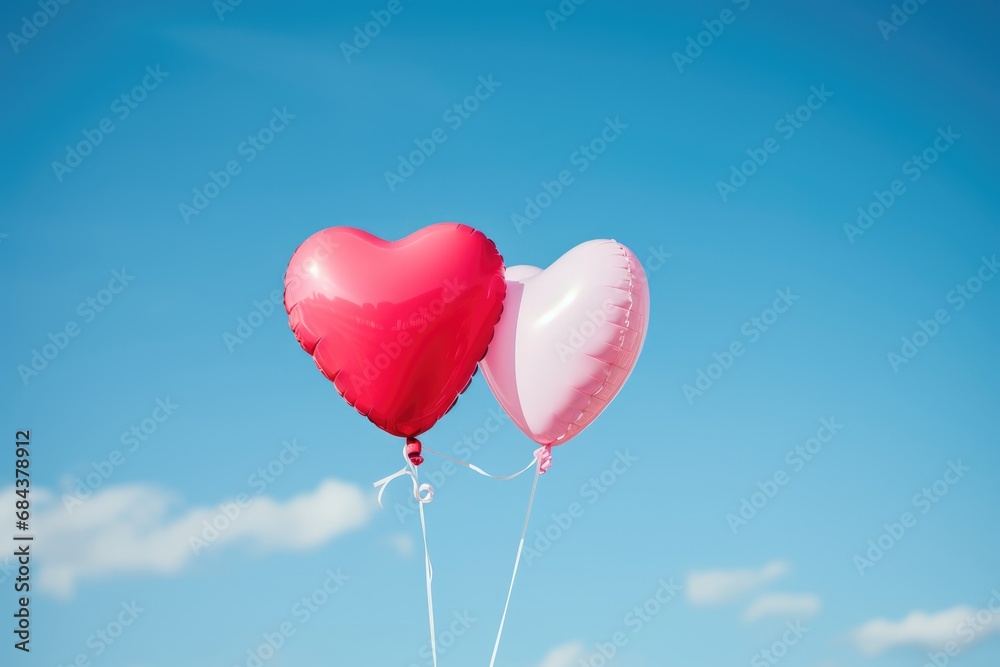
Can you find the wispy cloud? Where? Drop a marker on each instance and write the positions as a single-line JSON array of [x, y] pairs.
[[565, 655], [962, 625], [142, 528], [714, 587], [401, 543], [785, 605]]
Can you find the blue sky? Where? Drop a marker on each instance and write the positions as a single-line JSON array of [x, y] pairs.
[[100, 256]]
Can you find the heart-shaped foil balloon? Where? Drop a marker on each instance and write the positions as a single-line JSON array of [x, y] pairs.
[[398, 327], [568, 339]]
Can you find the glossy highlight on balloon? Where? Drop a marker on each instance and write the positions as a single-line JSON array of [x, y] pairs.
[[397, 326], [568, 339]]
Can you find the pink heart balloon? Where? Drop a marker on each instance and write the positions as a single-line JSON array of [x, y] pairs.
[[568, 338]]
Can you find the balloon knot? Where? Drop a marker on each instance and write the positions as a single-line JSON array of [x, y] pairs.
[[544, 457], [412, 451]]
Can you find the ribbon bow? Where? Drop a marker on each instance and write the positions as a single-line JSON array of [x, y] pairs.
[[424, 493]]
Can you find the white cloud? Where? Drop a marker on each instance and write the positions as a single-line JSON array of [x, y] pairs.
[[141, 528], [713, 587], [962, 625], [566, 655], [782, 604]]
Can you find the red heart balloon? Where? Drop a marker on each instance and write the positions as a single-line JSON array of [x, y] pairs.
[[398, 327]]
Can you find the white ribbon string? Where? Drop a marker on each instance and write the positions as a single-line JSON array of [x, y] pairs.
[[475, 468], [424, 493], [517, 560], [428, 570]]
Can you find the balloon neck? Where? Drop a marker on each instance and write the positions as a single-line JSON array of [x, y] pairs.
[[413, 450], [543, 456]]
